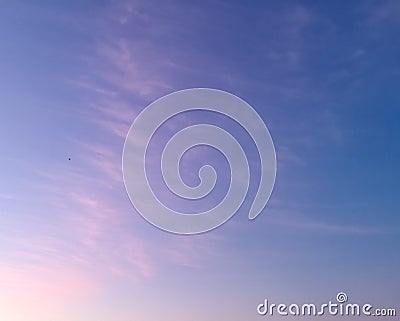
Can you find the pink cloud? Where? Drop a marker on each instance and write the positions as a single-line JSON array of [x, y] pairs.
[[91, 216], [115, 127], [127, 69]]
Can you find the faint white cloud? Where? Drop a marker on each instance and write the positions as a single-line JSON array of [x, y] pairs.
[[124, 66], [93, 88], [359, 53], [288, 158], [386, 11], [304, 223], [194, 251], [7, 196]]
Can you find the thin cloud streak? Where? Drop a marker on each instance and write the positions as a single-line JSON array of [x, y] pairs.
[[306, 224]]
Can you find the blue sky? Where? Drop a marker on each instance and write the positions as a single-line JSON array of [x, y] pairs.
[[323, 76]]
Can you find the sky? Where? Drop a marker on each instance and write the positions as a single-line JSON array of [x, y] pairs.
[[324, 77]]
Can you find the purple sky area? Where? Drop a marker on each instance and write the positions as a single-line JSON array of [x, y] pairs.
[[324, 76]]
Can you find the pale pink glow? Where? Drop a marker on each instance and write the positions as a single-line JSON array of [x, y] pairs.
[[46, 282], [42, 292], [93, 256]]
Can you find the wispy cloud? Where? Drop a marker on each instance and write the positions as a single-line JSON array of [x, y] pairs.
[[193, 252], [86, 208], [91, 87], [384, 12], [305, 223], [7, 196]]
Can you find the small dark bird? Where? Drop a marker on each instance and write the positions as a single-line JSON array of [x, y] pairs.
[[69, 158]]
